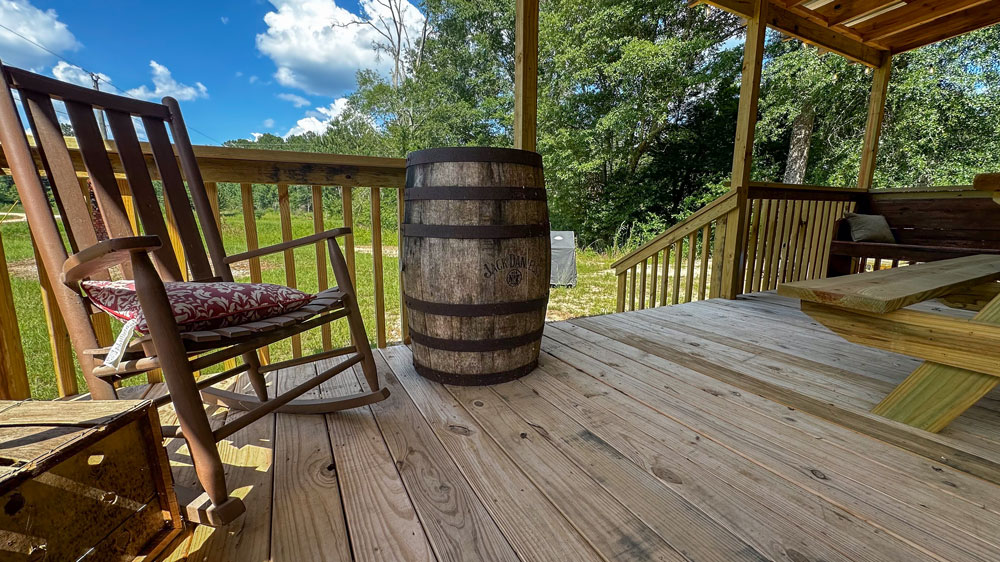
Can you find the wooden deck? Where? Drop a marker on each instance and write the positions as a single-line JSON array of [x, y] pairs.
[[692, 432]]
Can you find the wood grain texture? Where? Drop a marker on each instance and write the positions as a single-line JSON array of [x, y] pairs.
[[13, 372], [892, 289], [381, 520]]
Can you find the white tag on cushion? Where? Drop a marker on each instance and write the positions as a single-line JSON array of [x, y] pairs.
[[199, 306], [117, 350]]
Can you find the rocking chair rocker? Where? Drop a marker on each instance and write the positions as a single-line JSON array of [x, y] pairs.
[[146, 260]]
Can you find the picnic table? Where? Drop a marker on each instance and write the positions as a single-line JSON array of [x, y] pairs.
[[962, 356]]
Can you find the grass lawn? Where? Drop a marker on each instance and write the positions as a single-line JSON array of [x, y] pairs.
[[593, 294]]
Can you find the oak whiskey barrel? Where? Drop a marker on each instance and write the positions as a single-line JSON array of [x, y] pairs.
[[475, 263]]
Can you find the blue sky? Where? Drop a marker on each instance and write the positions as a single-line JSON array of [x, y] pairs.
[[237, 67]]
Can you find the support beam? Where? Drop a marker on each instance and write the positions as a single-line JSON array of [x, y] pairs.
[[526, 75], [873, 129], [808, 31], [746, 121]]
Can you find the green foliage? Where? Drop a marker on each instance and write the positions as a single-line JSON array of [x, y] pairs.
[[637, 108]]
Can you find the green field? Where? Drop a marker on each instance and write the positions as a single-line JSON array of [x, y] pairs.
[[594, 293]]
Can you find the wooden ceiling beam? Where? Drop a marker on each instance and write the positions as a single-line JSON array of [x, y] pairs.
[[911, 16], [958, 23], [808, 31], [837, 12]]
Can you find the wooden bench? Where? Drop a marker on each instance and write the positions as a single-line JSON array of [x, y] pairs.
[[962, 356], [928, 226]]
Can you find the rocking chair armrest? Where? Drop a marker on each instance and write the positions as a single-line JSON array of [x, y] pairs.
[[104, 255], [334, 233]]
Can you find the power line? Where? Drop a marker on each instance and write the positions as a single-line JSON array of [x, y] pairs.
[[94, 75]]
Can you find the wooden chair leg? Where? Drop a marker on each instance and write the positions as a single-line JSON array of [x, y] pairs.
[[180, 382], [354, 321], [257, 380], [934, 395]]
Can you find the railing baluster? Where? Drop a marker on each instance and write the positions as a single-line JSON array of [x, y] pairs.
[[127, 201], [642, 284], [718, 249], [652, 282], [703, 274], [752, 241], [792, 238], [212, 192], [377, 266], [13, 370], [802, 272], [175, 239], [404, 327], [348, 206], [250, 229], [676, 289], [620, 304], [764, 210], [689, 282], [664, 276], [291, 279], [62, 350], [322, 279], [631, 291]]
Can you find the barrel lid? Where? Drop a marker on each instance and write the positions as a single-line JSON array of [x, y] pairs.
[[474, 154]]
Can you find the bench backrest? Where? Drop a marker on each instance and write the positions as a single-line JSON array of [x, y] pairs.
[[971, 220]]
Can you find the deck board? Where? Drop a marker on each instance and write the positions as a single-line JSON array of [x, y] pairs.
[[716, 430]]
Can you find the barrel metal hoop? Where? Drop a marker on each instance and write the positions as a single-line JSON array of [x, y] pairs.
[[474, 380], [467, 193], [475, 231], [474, 154], [496, 344], [468, 310]]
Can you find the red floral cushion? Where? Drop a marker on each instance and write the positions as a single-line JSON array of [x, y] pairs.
[[200, 306]]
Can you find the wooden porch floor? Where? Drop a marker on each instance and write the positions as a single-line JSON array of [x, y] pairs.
[[693, 432]]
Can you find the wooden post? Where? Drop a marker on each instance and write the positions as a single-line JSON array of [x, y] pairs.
[[526, 74], [13, 371], [876, 111], [753, 56], [62, 350]]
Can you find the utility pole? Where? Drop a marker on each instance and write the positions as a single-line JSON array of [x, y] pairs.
[[100, 112]]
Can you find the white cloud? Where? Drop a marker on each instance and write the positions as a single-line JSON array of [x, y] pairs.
[[316, 52], [76, 75], [318, 119], [239, 73], [255, 136], [269, 123], [252, 79], [42, 27], [296, 99], [165, 85], [224, 20]]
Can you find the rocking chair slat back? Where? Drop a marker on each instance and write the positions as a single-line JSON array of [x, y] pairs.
[[73, 205], [176, 195], [143, 195]]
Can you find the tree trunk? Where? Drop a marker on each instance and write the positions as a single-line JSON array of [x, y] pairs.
[[798, 148]]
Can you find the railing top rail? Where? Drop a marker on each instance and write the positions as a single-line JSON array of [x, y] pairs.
[[706, 214], [805, 187], [247, 165]]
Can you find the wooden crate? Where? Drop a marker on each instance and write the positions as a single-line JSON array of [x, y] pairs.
[[85, 480]]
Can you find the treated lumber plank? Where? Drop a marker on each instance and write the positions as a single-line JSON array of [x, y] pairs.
[[784, 522], [616, 532], [503, 488], [892, 289], [291, 279], [381, 520], [892, 502], [935, 393], [685, 527], [458, 526], [307, 515]]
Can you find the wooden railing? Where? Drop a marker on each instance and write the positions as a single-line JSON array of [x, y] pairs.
[[346, 178], [653, 274], [787, 235]]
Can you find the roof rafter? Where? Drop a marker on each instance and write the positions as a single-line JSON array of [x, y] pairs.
[[808, 31]]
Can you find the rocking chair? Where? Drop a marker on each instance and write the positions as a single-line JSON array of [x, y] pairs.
[[179, 354]]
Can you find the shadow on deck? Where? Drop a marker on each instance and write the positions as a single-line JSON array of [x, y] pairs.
[[694, 432]]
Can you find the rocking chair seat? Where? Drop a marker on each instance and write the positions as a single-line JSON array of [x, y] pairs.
[[323, 307]]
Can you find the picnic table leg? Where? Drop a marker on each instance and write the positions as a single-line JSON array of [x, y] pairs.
[[935, 394]]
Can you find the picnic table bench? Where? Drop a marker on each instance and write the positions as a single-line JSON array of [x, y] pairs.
[[962, 356]]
